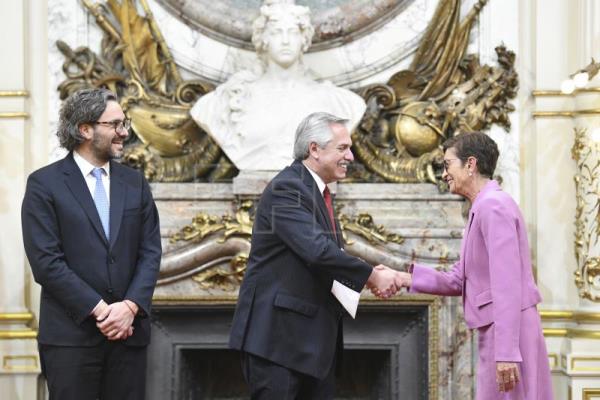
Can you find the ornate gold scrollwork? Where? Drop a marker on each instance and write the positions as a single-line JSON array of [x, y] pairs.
[[204, 225], [587, 215], [363, 225], [216, 274], [219, 261], [228, 278], [443, 94], [135, 63]]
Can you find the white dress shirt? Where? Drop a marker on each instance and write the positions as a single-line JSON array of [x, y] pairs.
[[86, 169], [320, 184]]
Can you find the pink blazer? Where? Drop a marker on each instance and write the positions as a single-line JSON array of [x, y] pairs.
[[493, 275]]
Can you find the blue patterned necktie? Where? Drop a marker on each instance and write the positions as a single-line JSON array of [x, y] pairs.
[[101, 200]]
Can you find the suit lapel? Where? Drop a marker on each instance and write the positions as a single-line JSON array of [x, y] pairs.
[[117, 201], [76, 184], [318, 198], [463, 252]]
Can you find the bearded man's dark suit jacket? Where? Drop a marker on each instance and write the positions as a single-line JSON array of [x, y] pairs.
[[75, 264], [285, 311]]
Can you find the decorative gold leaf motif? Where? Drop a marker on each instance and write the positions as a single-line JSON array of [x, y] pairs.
[[444, 93], [135, 62], [587, 215]]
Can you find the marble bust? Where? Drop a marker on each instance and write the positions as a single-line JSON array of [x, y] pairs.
[[253, 116]]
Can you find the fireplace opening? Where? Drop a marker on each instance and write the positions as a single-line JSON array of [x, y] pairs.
[[216, 374], [386, 355]]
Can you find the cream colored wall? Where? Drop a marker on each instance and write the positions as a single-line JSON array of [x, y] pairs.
[[23, 147], [559, 37]]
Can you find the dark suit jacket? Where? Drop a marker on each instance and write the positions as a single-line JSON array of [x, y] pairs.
[[285, 311], [72, 260]]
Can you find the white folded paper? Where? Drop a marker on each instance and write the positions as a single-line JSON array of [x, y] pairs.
[[347, 297]]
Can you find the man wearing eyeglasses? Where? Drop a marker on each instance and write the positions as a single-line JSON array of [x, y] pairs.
[[91, 234]]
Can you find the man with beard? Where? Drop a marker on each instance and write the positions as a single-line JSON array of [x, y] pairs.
[[91, 234]]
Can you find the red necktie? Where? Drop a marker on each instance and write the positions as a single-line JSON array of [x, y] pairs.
[[329, 205]]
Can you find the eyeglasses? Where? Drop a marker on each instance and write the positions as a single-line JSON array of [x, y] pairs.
[[118, 125], [447, 162]]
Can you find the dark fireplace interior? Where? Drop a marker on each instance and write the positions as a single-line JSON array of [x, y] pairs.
[[385, 357]]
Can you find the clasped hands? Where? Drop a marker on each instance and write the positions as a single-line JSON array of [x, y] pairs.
[[115, 320], [385, 282]]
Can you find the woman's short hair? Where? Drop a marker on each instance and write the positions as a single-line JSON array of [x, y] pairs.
[[81, 107], [316, 127], [477, 145]]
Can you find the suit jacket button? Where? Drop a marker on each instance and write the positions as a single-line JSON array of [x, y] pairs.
[[109, 291]]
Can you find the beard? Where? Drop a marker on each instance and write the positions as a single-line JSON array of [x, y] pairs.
[[102, 148]]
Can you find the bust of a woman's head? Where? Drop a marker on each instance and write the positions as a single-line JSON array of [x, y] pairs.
[[282, 32]]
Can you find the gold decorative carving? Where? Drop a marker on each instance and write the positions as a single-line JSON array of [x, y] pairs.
[[574, 316], [566, 114], [587, 215], [571, 333], [363, 225], [203, 225], [590, 394], [13, 115], [219, 263], [558, 93], [225, 279], [14, 93], [553, 360], [576, 364], [444, 93], [18, 334], [25, 317], [136, 63], [15, 363]]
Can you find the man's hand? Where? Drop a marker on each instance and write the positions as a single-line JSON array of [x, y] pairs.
[[507, 376], [382, 281], [401, 279], [99, 310], [115, 321]]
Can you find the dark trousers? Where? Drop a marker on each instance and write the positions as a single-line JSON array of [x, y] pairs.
[[270, 381], [109, 371]]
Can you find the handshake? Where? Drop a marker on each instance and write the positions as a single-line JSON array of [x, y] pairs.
[[385, 282]]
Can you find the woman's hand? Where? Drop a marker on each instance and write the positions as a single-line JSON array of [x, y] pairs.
[[507, 376]]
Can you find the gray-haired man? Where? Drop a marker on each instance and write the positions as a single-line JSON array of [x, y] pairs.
[[91, 234], [287, 323]]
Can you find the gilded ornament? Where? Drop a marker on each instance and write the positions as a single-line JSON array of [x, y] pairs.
[[364, 226], [135, 62], [587, 215], [444, 93], [216, 252]]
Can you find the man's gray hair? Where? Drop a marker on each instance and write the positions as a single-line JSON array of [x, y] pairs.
[[316, 128], [83, 106]]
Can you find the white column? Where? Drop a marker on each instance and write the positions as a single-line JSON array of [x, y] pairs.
[[23, 147], [566, 37]]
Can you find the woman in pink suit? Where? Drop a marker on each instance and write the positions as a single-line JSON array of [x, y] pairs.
[[493, 276]]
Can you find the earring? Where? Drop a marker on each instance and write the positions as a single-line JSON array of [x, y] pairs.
[[470, 173]]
